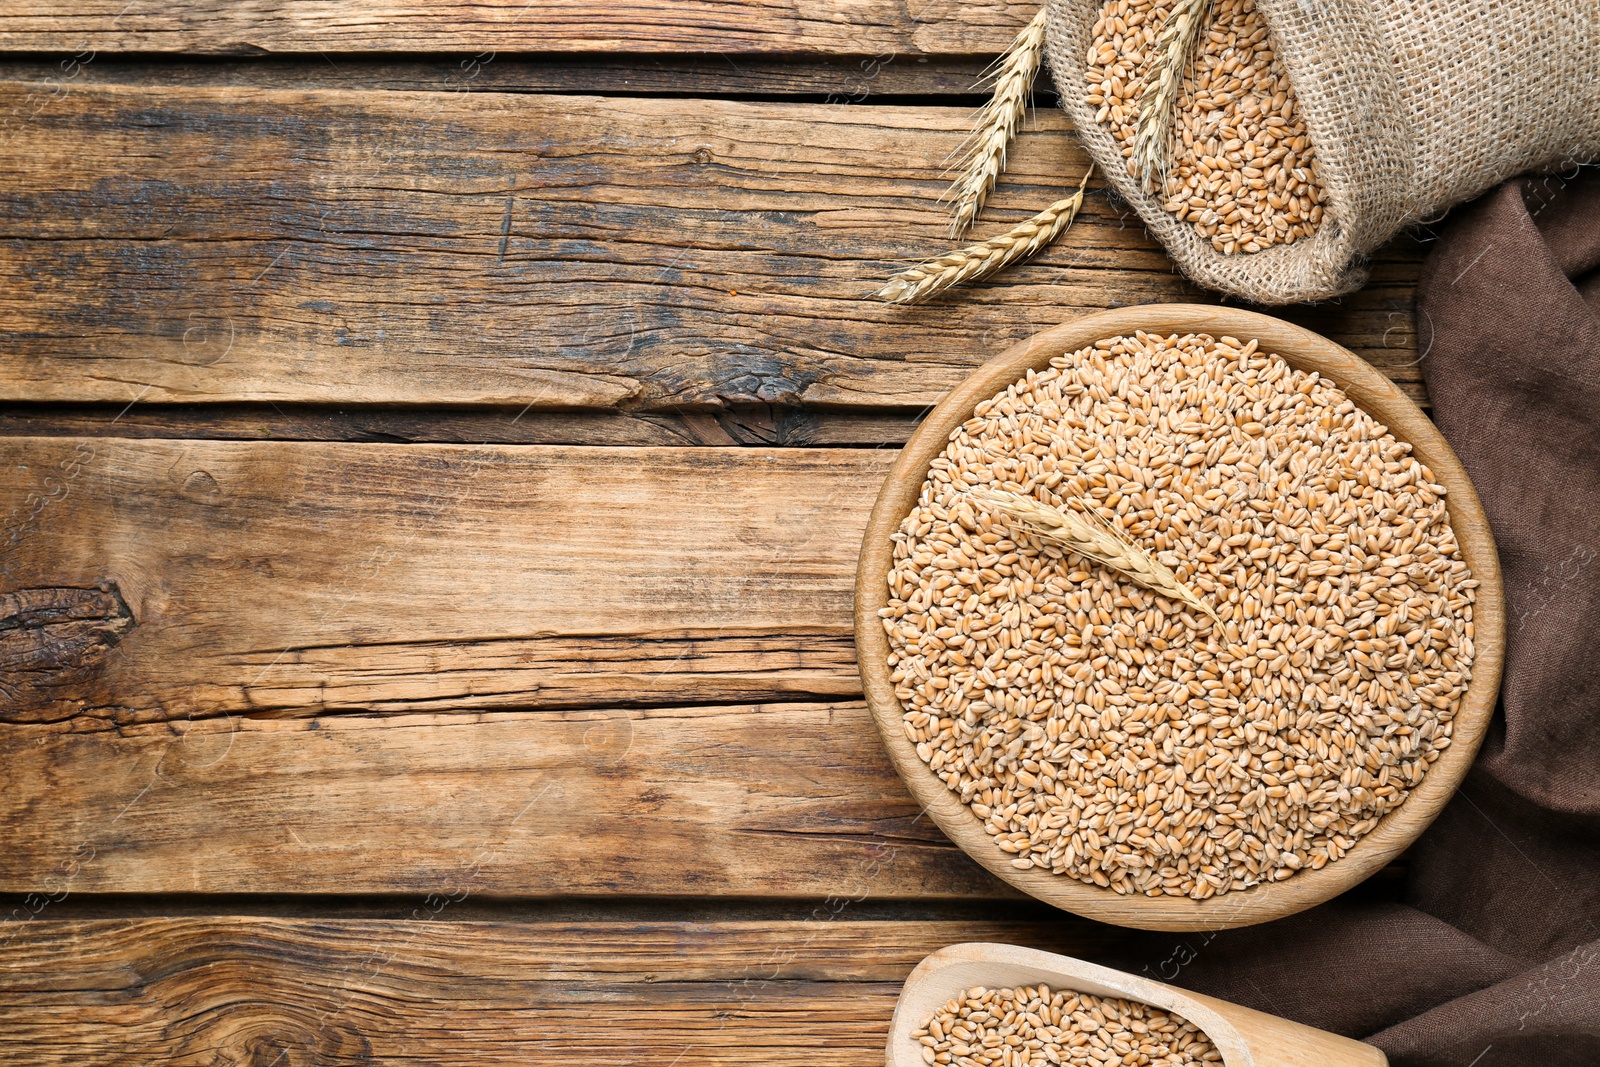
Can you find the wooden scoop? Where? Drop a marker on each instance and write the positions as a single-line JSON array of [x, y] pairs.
[[1246, 1038]]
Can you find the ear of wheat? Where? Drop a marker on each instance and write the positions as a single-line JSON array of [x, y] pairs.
[[1093, 539], [1163, 79], [985, 151], [915, 284]]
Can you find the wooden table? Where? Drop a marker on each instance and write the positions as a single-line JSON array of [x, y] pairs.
[[437, 438]]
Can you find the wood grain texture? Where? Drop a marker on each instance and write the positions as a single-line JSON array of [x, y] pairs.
[[284, 579], [225, 245], [302, 700], [851, 27], [776, 801], [193, 992], [53, 640], [1372, 392]]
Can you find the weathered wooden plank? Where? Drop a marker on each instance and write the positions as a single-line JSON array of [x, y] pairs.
[[513, 250], [292, 579], [179, 612], [775, 800], [849, 27], [226, 990]]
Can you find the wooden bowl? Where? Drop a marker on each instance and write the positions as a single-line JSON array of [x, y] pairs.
[[1246, 1038], [1272, 900]]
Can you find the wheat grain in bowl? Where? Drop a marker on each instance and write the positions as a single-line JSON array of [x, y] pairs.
[[1033, 1026], [1112, 732], [1239, 164]]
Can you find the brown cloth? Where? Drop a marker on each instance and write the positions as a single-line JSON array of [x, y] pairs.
[[1492, 958]]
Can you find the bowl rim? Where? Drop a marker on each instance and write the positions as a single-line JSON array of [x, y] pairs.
[[1371, 391]]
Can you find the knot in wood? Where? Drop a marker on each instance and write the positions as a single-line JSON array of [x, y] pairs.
[[53, 643]]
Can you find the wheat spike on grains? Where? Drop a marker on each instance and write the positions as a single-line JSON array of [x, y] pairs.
[[1159, 103], [1092, 539]]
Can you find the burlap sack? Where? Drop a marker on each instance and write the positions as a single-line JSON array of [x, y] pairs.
[[1412, 108]]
